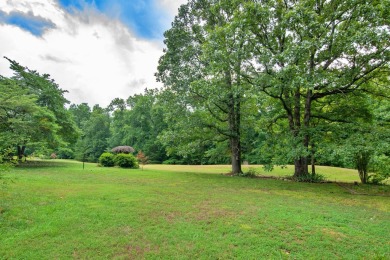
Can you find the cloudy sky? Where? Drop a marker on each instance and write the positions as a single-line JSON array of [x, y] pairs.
[[96, 49]]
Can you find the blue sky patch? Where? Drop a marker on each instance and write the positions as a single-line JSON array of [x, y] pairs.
[[142, 16], [27, 21]]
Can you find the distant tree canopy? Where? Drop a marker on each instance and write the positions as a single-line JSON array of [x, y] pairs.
[[95, 127], [137, 122]]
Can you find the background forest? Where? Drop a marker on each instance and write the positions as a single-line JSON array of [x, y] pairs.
[[260, 82]]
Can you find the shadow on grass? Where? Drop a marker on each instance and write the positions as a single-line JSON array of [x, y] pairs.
[[41, 164]]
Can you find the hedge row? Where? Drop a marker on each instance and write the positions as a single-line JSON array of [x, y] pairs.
[[121, 160]]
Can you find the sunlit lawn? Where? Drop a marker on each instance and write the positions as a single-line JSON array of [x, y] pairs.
[[331, 173], [57, 210]]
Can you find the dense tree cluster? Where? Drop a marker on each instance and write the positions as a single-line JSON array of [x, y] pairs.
[[313, 66], [267, 82]]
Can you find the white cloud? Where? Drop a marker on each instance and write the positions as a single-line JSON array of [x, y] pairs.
[[96, 59], [171, 6]]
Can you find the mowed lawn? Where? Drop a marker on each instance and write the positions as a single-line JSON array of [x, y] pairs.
[[330, 173], [57, 210]]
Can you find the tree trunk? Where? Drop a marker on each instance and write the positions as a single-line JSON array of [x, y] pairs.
[[21, 150], [362, 160], [235, 142], [301, 167], [301, 164], [313, 160], [235, 146], [313, 166], [234, 126]]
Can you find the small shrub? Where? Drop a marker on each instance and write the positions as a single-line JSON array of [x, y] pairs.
[[381, 170], [65, 153], [43, 156], [107, 159], [377, 178], [142, 159], [6, 163], [316, 178], [123, 149], [251, 173], [172, 161], [126, 161]]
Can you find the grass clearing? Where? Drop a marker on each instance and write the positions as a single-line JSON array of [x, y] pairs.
[[57, 210], [331, 173]]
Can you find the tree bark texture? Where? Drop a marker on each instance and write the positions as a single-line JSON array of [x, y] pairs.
[[235, 142], [20, 150], [298, 131], [234, 127]]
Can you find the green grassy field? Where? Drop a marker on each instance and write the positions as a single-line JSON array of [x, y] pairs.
[[57, 210], [331, 173]]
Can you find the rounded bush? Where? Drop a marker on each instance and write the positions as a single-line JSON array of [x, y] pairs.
[[107, 159], [126, 161]]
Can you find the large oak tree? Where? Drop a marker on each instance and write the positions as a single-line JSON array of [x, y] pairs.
[[302, 52], [201, 67]]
